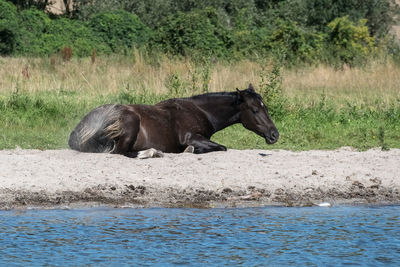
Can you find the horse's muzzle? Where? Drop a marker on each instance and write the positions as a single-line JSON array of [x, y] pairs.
[[272, 137]]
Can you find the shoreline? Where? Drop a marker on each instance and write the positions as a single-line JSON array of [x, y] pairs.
[[237, 178]]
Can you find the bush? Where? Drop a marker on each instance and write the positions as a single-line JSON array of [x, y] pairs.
[[39, 35], [350, 42], [245, 43], [120, 29], [287, 41], [244, 36], [8, 27], [27, 4], [151, 13], [198, 31], [72, 33], [295, 31], [380, 15], [32, 24]]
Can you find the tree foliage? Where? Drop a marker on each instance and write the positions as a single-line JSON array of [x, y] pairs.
[[8, 27], [27, 4], [195, 31], [40, 35], [119, 29], [295, 31], [350, 41], [33, 25]]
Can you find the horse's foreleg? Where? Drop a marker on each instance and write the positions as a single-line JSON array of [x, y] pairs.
[[204, 145]]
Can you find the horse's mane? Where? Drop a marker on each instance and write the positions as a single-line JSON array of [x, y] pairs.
[[213, 94], [235, 94]]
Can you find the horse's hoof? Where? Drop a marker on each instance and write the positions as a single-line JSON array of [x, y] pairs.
[[150, 153], [189, 149], [158, 154]]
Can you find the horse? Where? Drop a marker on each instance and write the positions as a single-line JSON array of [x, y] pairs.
[[172, 126]]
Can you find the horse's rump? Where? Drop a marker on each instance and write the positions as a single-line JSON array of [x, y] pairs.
[[97, 131]]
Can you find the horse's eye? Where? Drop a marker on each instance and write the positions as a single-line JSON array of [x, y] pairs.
[[254, 111]]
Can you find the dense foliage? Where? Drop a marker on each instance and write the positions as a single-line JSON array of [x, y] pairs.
[[297, 31], [119, 29], [8, 27], [195, 31], [39, 35]]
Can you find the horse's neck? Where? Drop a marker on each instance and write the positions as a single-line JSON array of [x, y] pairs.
[[222, 111]]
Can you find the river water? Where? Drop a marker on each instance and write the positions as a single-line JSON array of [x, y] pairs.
[[272, 236]]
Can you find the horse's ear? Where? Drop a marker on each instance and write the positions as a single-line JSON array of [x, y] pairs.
[[251, 88]]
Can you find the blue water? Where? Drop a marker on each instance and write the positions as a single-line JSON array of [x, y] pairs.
[[273, 236]]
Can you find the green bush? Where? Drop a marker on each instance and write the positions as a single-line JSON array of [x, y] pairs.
[[245, 43], [198, 31], [151, 13], [27, 4], [39, 35], [120, 29], [296, 31], [8, 27], [32, 25], [287, 41], [380, 15], [245, 40], [350, 42], [73, 33]]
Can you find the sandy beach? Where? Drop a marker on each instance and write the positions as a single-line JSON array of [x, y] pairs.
[[237, 178]]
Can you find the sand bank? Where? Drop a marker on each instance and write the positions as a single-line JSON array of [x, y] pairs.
[[65, 178]]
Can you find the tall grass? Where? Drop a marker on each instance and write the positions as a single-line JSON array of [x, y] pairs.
[[109, 75], [356, 85], [41, 99]]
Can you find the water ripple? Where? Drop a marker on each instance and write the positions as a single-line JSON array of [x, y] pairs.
[[277, 236]]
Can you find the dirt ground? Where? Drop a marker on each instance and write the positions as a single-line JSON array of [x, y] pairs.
[[237, 178]]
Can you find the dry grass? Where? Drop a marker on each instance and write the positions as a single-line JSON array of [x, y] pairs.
[[112, 74], [375, 81]]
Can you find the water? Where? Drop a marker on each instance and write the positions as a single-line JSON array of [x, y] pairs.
[[273, 236]]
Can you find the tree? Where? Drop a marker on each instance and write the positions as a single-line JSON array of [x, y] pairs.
[[26, 4], [8, 27], [120, 29], [350, 41], [198, 31]]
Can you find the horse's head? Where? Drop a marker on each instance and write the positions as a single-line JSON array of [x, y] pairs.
[[254, 115]]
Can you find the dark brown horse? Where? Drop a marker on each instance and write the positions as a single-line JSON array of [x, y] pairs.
[[172, 125]]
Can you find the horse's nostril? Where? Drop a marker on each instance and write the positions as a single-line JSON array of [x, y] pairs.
[[274, 135]]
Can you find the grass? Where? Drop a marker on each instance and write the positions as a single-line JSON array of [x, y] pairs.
[[376, 81], [42, 99]]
